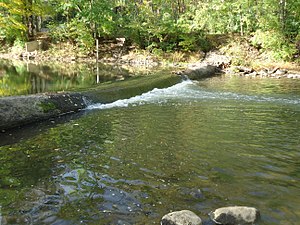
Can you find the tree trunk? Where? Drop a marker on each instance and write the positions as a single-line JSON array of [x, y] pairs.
[[29, 20], [283, 13], [241, 21], [38, 23]]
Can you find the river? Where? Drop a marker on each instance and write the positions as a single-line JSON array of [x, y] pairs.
[[200, 145]]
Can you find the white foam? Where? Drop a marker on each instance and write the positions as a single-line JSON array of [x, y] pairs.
[[154, 96], [189, 91]]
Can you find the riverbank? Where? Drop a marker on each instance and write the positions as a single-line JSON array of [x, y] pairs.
[[109, 51], [226, 58], [239, 50]]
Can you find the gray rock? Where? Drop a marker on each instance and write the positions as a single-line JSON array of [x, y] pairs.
[[217, 59], [213, 63], [263, 72], [235, 215], [20, 110], [273, 70], [200, 71], [184, 217], [281, 72], [253, 74]]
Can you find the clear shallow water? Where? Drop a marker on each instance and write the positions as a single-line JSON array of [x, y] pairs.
[[197, 146]]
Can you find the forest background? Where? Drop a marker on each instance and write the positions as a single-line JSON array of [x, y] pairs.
[[157, 26]]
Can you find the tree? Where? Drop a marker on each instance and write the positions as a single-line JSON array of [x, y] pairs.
[[20, 18]]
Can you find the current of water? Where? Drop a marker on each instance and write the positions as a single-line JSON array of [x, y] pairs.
[[196, 145]]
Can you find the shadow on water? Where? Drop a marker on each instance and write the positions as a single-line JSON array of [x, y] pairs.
[[14, 135]]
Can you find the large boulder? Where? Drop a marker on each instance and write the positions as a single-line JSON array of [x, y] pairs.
[[235, 215], [217, 59], [200, 71], [212, 64], [184, 217]]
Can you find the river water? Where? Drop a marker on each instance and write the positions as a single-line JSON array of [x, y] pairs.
[[200, 145]]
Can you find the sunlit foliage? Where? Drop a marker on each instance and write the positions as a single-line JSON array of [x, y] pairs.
[[154, 24]]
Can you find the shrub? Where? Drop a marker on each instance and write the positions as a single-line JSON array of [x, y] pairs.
[[274, 43], [75, 31]]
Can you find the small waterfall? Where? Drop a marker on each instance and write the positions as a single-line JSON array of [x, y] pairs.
[[189, 91], [154, 96]]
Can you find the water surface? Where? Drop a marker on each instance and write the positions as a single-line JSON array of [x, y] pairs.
[[23, 78], [196, 145]]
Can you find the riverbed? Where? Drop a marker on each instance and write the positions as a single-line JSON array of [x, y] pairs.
[[196, 145]]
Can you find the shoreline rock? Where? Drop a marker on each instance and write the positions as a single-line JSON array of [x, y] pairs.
[[276, 72], [216, 63], [211, 65], [200, 71]]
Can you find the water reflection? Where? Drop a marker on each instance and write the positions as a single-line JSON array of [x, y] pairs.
[[29, 78]]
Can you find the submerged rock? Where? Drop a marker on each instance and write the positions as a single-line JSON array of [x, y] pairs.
[[235, 215], [194, 193], [184, 217]]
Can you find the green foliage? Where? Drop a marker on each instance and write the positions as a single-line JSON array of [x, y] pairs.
[[18, 46], [17, 18], [167, 25], [274, 43], [58, 32], [75, 31], [11, 29]]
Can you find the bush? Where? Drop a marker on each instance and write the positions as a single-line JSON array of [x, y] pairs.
[[75, 31], [237, 49], [18, 46], [274, 44], [11, 30]]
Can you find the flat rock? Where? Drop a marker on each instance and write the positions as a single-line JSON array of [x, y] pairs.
[[235, 215], [184, 217]]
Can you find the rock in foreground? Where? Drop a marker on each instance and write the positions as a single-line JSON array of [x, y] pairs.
[[235, 215], [184, 217]]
